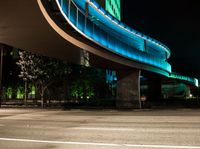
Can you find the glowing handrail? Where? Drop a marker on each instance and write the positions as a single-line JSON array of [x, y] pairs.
[[184, 78], [123, 26]]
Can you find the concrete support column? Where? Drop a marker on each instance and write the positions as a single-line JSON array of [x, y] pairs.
[[84, 58], [154, 89], [128, 89]]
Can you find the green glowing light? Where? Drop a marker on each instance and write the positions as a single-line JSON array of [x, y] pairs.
[[32, 89], [194, 81], [20, 92], [114, 8], [9, 92]]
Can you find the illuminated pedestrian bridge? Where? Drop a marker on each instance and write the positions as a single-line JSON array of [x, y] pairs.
[[97, 25], [69, 29]]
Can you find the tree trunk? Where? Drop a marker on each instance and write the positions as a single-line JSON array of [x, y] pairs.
[[48, 100], [37, 95], [42, 98], [66, 89], [25, 93]]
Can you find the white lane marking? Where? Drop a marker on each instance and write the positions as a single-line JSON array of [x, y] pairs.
[[100, 144], [106, 129], [130, 129]]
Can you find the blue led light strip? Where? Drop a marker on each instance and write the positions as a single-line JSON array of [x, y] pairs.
[[194, 81], [106, 15]]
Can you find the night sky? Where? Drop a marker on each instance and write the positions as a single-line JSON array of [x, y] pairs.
[[175, 23]]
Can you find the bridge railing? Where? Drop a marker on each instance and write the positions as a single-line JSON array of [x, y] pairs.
[[193, 81], [130, 36], [86, 26]]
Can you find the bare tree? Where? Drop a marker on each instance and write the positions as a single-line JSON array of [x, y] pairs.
[[28, 70], [44, 71]]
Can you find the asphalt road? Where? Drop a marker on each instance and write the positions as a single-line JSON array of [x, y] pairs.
[[103, 129]]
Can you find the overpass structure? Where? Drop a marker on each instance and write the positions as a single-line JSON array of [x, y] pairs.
[[69, 29]]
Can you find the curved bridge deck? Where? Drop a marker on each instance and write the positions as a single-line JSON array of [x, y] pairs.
[[82, 25]]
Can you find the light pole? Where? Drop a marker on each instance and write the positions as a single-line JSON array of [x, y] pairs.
[[1, 74]]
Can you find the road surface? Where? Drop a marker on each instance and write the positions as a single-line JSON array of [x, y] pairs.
[[99, 129]]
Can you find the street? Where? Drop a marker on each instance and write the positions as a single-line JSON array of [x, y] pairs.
[[99, 129]]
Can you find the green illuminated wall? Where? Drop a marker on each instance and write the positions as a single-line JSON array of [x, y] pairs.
[[112, 6]]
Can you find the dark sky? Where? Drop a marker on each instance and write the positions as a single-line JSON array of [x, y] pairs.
[[176, 23]]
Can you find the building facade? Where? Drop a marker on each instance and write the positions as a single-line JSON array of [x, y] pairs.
[[112, 6]]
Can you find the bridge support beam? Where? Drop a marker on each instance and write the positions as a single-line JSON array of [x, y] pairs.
[[154, 89], [128, 89]]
